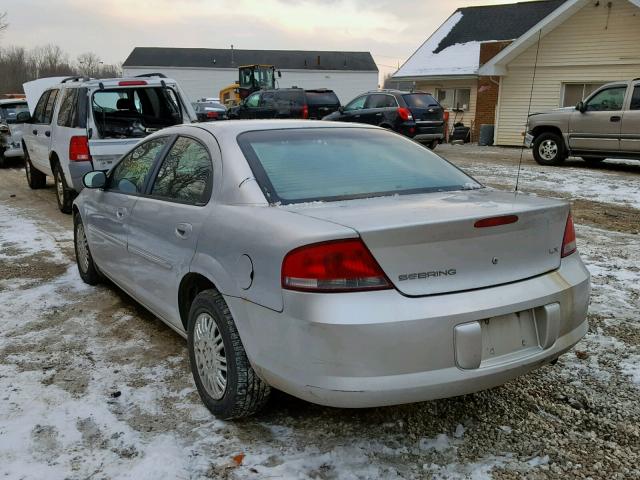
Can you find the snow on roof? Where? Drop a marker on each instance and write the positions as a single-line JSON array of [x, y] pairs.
[[454, 49], [457, 59]]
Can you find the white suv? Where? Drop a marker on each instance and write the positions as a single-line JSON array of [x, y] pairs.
[[80, 124]]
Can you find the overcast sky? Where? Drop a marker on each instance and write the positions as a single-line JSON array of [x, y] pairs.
[[390, 30]]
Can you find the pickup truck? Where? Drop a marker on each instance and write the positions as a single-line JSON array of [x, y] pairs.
[[604, 125]]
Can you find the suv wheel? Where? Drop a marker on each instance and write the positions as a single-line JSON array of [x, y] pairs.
[[35, 178], [63, 194], [226, 382], [548, 149], [2, 157], [86, 267]]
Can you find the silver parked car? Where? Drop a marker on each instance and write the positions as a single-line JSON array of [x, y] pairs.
[[341, 263]]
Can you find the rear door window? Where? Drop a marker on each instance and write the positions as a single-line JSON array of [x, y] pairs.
[[51, 104], [293, 98], [38, 113], [322, 98], [186, 173], [131, 174], [381, 101], [67, 104], [635, 99]]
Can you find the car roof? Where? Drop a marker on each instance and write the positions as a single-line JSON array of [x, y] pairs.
[[114, 82], [236, 127]]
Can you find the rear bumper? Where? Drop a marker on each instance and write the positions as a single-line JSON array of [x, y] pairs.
[[381, 348], [14, 151], [78, 170]]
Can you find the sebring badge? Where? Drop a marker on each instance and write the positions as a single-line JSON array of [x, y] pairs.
[[425, 275]]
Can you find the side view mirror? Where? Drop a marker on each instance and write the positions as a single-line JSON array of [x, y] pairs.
[[279, 74], [23, 117], [95, 179], [341, 109], [581, 107]]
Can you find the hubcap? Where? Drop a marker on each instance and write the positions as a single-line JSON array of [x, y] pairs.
[[59, 187], [548, 150], [82, 248], [210, 357]]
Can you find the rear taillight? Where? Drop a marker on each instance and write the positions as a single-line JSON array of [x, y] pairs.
[[305, 111], [569, 239], [336, 266], [404, 114], [212, 114], [79, 149], [496, 221]]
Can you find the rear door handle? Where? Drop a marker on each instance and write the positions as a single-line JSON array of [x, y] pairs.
[[121, 212], [183, 230], [379, 114], [47, 133], [616, 118], [35, 132]]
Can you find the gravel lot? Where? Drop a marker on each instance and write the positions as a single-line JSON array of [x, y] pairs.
[[93, 386]]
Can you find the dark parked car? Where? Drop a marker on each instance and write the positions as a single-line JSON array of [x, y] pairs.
[[210, 111], [417, 115], [287, 103]]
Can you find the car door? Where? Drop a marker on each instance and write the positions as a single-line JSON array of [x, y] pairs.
[[380, 108], [108, 214], [630, 131], [250, 107], [598, 127], [352, 112], [41, 131], [165, 223]]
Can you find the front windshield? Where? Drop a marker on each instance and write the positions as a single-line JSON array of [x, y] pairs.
[[9, 111], [328, 164]]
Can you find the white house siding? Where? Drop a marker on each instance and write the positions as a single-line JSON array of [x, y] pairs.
[[207, 82], [467, 117], [590, 47]]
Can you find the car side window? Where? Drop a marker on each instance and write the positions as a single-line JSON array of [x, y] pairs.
[[131, 174], [65, 115], [186, 174], [253, 100], [610, 99], [38, 113], [48, 109], [357, 104], [381, 101], [635, 100]]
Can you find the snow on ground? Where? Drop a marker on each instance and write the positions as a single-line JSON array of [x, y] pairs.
[[589, 184]]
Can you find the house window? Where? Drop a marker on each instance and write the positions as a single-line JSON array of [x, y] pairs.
[[572, 93], [455, 98]]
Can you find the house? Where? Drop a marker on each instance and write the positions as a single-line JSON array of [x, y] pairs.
[[447, 63], [203, 72], [580, 46]]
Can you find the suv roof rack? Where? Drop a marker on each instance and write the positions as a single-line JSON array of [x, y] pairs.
[[147, 75], [75, 79]]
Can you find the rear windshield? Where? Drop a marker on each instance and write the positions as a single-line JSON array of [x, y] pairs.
[[322, 98], [326, 164], [420, 100], [9, 111], [134, 112]]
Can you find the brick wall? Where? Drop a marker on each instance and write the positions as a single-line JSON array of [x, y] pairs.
[[487, 98]]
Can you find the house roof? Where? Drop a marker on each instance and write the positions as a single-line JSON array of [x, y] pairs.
[[228, 58], [497, 65], [454, 49]]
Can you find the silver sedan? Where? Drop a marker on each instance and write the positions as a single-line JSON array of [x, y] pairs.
[[341, 263]]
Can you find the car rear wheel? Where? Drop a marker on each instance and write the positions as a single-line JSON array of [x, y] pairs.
[[63, 194], [433, 145], [226, 382], [86, 266], [593, 160], [548, 149], [35, 178], [2, 158]]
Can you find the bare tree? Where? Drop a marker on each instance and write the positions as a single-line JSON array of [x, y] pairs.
[[51, 61], [89, 64], [4, 24]]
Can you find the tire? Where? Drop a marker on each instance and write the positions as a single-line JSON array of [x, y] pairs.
[[35, 178], [86, 266], [240, 392], [2, 158], [548, 149], [594, 160], [63, 193], [433, 145]]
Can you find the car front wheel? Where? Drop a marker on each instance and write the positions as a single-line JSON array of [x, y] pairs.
[[86, 266], [548, 149], [226, 382]]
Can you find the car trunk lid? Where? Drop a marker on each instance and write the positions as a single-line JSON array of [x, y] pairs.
[[430, 244]]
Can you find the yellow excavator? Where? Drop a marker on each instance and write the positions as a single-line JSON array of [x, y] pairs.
[[251, 78]]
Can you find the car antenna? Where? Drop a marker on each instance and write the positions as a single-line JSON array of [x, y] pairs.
[[526, 128]]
